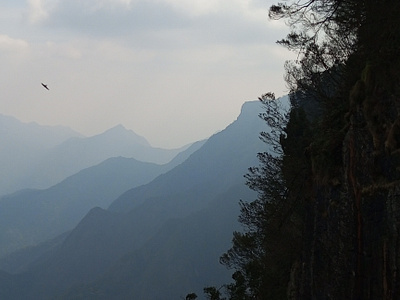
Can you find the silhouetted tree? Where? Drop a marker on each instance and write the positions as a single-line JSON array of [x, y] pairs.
[[347, 50], [265, 251], [191, 296], [212, 293]]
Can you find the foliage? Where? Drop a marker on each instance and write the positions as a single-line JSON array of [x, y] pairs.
[[191, 296], [213, 293], [263, 253], [345, 60], [323, 37]]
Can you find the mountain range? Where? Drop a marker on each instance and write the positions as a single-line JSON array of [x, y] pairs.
[[160, 240], [29, 217], [22, 144], [38, 157]]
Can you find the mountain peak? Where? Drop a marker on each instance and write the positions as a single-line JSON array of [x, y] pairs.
[[256, 106], [118, 127], [119, 131]]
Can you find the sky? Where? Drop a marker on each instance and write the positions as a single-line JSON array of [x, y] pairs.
[[173, 71]]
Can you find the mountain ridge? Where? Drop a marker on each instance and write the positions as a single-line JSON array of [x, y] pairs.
[[64, 204], [208, 184], [35, 156]]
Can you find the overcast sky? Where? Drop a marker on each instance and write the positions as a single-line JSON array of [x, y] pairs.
[[173, 71]]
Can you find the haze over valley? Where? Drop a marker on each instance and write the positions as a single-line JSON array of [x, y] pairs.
[[129, 217], [128, 129]]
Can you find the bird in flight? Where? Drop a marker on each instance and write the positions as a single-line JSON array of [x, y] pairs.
[[45, 86]]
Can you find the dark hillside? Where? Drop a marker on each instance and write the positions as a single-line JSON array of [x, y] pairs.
[[328, 228], [181, 257]]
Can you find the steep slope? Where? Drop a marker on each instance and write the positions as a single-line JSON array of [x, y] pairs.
[[159, 211], [353, 222], [223, 159], [182, 257], [22, 144]]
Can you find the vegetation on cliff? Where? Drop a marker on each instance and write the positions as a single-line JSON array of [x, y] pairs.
[[326, 223]]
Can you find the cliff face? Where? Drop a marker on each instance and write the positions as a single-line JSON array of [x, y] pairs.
[[351, 242]]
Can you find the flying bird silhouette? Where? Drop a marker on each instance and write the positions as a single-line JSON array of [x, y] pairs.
[[45, 86]]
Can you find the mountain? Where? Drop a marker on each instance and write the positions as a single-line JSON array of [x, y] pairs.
[[24, 143], [76, 154], [33, 216], [38, 157], [223, 159], [160, 240], [13, 131], [180, 258]]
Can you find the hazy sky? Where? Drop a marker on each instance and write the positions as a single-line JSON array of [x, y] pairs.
[[173, 71]]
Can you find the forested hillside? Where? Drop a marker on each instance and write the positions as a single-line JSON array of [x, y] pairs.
[[326, 222]]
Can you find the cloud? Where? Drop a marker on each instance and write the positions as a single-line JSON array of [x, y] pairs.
[[144, 22], [136, 61], [67, 50], [112, 18], [196, 7], [37, 11], [10, 45]]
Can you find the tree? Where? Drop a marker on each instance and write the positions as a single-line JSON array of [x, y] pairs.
[[263, 254], [323, 37], [191, 296], [348, 61], [327, 33], [344, 82], [212, 293]]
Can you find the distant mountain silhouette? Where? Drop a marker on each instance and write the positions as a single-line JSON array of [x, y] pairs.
[[223, 159], [76, 154], [37, 157], [32, 216], [22, 145], [160, 240]]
